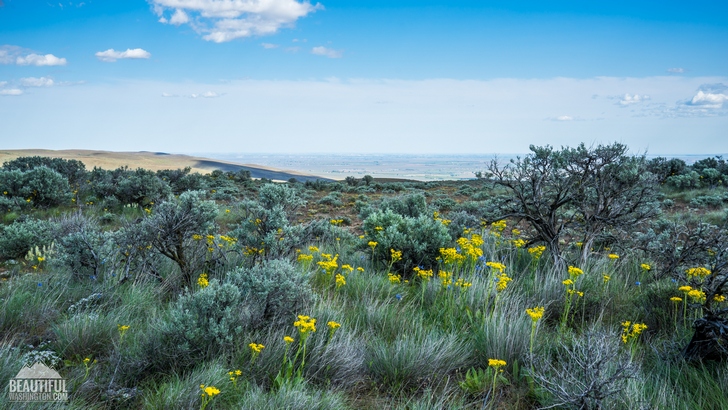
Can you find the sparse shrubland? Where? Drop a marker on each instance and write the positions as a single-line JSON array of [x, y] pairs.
[[578, 278]]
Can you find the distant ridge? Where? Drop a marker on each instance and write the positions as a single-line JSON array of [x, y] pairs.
[[156, 161]]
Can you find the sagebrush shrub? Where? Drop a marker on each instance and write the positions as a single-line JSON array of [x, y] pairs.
[[419, 239], [19, 237], [272, 291], [211, 317]]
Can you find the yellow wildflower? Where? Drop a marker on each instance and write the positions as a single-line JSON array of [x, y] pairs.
[[502, 283], [646, 266], [700, 272], [496, 363], [676, 299], [497, 266], [574, 271], [396, 255], [333, 325], [256, 347], [288, 339], [202, 280], [340, 280], [535, 313]]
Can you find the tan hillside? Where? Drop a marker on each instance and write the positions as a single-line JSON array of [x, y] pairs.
[[155, 161]]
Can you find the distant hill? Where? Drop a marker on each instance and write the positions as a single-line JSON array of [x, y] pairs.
[[157, 161]]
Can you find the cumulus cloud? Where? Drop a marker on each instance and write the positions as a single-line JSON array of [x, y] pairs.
[[268, 46], [12, 91], [111, 55], [37, 82], [20, 56], [628, 99], [710, 96], [564, 118], [327, 52], [179, 17], [40, 60], [225, 20], [676, 70]]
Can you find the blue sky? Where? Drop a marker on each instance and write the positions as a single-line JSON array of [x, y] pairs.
[[363, 76]]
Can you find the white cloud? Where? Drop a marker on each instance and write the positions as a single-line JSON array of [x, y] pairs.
[[327, 52], [37, 82], [627, 99], [2, 83], [12, 91], [179, 17], [710, 96], [268, 46], [564, 118], [40, 60], [225, 20], [207, 94], [676, 70], [111, 55], [168, 95]]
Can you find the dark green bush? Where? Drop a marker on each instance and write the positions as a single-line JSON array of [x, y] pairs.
[[40, 185], [411, 205], [21, 236], [419, 239]]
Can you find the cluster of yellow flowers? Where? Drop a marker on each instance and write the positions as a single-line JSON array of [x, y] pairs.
[[630, 330], [373, 244], [329, 264], [202, 280], [313, 249], [613, 256], [518, 243], [256, 347], [337, 222], [575, 272], [209, 390], [436, 217], [423, 274], [393, 279], [234, 375], [396, 255], [497, 363], [699, 272], [305, 324], [304, 257], [502, 283], [208, 393], [697, 295], [450, 256], [536, 313], [498, 227], [340, 280], [445, 278], [497, 266], [471, 247], [333, 325], [646, 267], [537, 251], [250, 250]]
